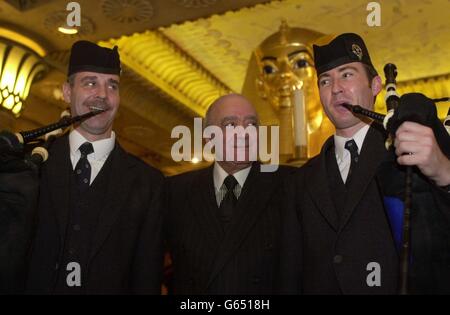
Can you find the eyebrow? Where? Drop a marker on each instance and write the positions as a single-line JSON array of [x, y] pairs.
[[87, 78], [347, 68], [269, 58], [113, 81], [297, 51], [250, 117], [339, 70], [93, 77]]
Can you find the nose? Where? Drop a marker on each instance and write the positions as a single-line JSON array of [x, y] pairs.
[[285, 75], [336, 87], [102, 91], [285, 71]]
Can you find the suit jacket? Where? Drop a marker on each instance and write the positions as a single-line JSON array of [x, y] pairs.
[[126, 247], [19, 188], [207, 260], [322, 254]]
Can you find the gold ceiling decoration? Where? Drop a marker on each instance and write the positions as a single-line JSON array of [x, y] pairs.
[[195, 3], [224, 43], [155, 58], [413, 34], [128, 11]]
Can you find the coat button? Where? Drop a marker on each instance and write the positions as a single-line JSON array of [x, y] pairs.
[[76, 227], [256, 280], [56, 266], [338, 259]]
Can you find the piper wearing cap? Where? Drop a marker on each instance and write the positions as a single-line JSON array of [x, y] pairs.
[[350, 193], [337, 237], [345, 62], [98, 228], [93, 82]]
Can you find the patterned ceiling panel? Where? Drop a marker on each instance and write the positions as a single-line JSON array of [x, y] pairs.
[[155, 58], [413, 34]]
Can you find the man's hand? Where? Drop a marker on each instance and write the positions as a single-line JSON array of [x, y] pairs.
[[416, 144]]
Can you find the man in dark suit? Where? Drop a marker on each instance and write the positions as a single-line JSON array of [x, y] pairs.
[[98, 231], [223, 222], [337, 234]]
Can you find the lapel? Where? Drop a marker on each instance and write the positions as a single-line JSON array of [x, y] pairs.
[[118, 189], [317, 177], [256, 193], [373, 152], [59, 170], [202, 199]]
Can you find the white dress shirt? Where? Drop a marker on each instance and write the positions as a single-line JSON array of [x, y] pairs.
[[102, 149], [219, 176], [343, 157]]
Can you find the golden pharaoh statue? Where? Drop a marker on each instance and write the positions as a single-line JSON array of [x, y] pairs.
[[282, 84]]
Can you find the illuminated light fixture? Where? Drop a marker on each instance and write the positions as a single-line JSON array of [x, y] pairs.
[[19, 66], [195, 160], [67, 30], [25, 41]]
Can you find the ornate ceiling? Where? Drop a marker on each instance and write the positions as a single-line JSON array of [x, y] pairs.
[[179, 55]]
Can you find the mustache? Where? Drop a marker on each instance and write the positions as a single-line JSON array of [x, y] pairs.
[[98, 104]]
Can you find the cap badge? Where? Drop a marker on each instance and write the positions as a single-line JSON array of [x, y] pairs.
[[357, 51]]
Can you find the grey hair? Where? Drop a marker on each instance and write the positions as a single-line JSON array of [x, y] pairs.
[[71, 79]]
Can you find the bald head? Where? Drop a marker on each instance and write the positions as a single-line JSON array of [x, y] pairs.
[[235, 111], [230, 108]]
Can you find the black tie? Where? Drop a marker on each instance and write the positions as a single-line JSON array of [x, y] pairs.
[[354, 157], [83, 168], [229, 201]]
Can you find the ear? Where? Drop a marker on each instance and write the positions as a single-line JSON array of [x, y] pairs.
[[377, 85], [67, 91]]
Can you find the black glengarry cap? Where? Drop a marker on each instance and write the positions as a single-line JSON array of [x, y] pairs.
[[343, 49], [88, 56]]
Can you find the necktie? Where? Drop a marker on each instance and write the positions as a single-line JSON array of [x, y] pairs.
[[351, 146], [229, 201], [83, 168]]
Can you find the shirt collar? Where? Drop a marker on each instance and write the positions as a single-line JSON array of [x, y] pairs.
[[220, 174], [102, 148], [339, 142]]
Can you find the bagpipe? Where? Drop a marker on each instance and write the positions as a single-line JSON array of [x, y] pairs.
[[27, 145], [413, 107]]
